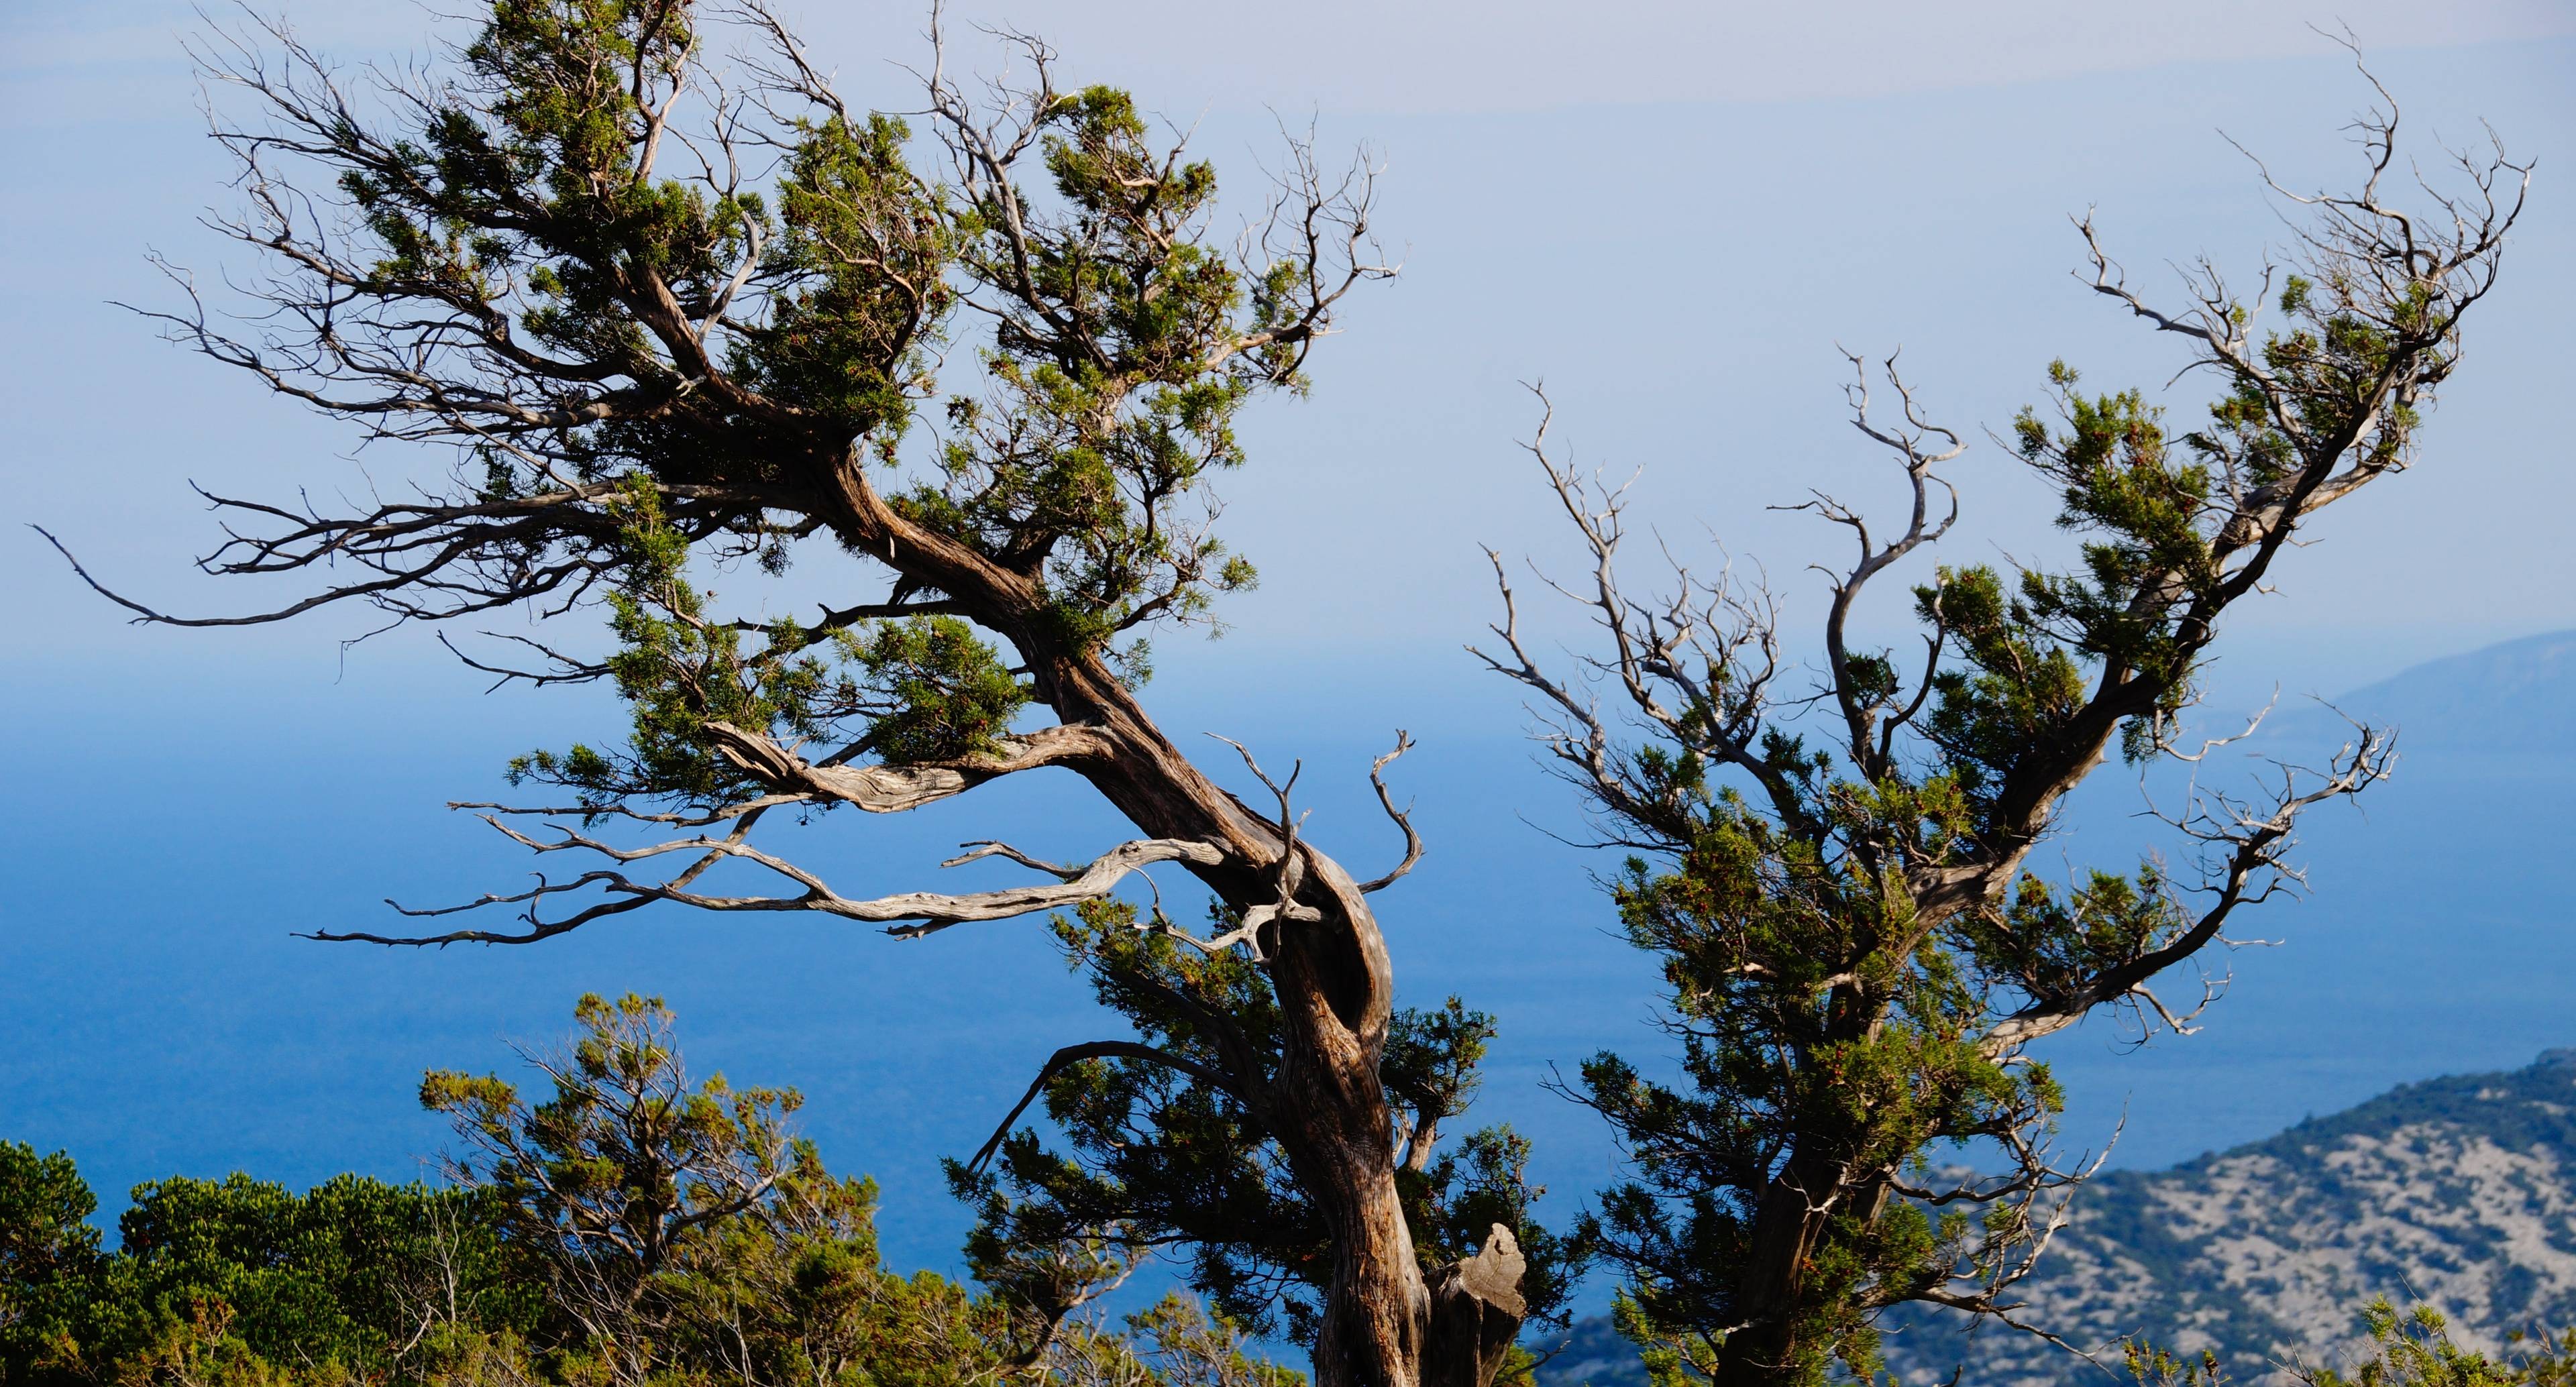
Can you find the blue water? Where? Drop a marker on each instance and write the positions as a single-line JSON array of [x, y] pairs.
[[156, 1017]]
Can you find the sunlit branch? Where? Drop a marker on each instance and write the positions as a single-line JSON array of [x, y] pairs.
[[895, 788], [1403, 817]]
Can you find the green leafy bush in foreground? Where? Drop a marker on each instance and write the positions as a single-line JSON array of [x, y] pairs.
[[629, 1228]]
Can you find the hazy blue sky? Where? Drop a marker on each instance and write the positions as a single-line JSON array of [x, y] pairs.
[[1672, 213]]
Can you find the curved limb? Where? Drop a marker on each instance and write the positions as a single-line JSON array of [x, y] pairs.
[[891, 788], [1863, 707], [1403, 817], [2251, 843]]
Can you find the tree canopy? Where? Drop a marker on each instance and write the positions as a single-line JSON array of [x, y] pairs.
[[1857, 951], [672, 320], [686, 319]]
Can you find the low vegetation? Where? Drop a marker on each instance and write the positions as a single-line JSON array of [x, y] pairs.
[[2405, 1349], [629, 1227]]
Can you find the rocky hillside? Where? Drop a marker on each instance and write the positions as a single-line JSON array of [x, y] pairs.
[[2458, 1191]]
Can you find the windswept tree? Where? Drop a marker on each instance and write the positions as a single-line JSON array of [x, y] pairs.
[[1837, 880], [680, 316]]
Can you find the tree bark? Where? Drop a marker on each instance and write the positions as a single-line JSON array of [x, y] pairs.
[[1476, 1310], [1785, 1227], [1334, 981]]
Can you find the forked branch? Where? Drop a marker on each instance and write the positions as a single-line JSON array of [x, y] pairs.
[[1870, 703], [1696, 664], [2247, 846], [1403, 817]]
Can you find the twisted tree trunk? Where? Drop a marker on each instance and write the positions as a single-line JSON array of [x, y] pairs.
[[1385, 1322]]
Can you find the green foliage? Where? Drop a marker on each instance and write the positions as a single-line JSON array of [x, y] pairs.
[[2052, 940], [795, 1292], [1454, 1199], [662, 358], [2136, 607], [936, 692], [2156, 1367], [2409, 1349], [1854, 952], [1114, 383], [1824, 1028], [239, 1280], [683, 309], [623, 1164], [861, 269], [923, 689], [2414, 1349], [1769, 948], [1480, 1181], [1153, 1157], [48, 1256], [1183, 1346], [340, 1280], [632, 1229], [1157, 1155], [531, 198]]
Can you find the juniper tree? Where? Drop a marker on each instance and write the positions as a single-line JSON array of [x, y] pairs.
[[1858, 952], [680, 1229], [684, 320]]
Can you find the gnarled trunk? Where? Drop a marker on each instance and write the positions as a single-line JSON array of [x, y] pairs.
[[1385, 1323], [1785, 1228]]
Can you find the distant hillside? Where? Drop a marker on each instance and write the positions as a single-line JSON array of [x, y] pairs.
[[2512, 699], [2460, 1191]]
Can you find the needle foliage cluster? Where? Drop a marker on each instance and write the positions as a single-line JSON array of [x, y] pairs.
[[545, 225]]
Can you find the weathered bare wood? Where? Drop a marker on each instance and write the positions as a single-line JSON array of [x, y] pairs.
[[892, 789], [1476, 1311]]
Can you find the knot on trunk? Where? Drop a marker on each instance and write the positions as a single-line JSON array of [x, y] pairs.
[[1476, 1311]]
